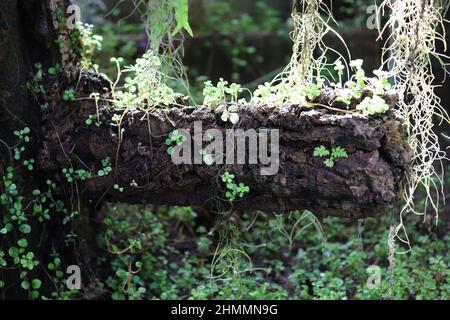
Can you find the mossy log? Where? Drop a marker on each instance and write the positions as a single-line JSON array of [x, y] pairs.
[[362, 185]]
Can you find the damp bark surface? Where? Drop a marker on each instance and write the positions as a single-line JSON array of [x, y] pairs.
[[362, 185]]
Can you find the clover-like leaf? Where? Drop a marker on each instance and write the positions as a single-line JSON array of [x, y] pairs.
[[329, 163], [339, 152], [321, 152]]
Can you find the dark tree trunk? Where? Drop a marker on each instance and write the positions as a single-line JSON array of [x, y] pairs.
[[28, 35], [20, 46]]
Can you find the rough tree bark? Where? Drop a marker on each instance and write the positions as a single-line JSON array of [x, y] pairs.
[[28, 36]]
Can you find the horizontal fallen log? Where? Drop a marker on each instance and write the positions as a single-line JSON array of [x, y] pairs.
[[362, 185]]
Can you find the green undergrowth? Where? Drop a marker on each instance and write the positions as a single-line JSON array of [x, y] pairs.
[[167, 253]]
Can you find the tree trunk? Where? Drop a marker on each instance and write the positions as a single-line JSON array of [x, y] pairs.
[[28, 35], [19, 49]]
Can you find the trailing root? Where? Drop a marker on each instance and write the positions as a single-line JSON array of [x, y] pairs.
[[416, 27], [309, 57]]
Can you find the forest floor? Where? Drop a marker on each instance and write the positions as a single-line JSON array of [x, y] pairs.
[[286, 257]]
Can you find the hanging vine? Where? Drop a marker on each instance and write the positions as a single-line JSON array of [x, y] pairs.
[[415, 29], [312, 20], [163, 21]]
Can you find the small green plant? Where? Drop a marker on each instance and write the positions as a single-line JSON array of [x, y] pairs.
[[18, 152], [53, 71], [263, 92], [224, 99], [175, 139], [358, 82], [107, 169], [118, 188], [214, 95], [69, 95], [345, 97], [82, 174], [339, 67], [234, 190], [381, 82], [29, 164], [36, 84], [23, 134], [228, 113], [68, 173], [39, 72], [312, 91], [133, 184], [93, 119], [372, 106], [336, 153], [90, 44], [222, 93], [359, 79], [352, 88], [321, 151], [234, 90], [146, 87], [339, 152]]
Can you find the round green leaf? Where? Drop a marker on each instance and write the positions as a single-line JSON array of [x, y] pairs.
[[13, 252], [36, 283], [25, 228], [25, 285], [22, 243]]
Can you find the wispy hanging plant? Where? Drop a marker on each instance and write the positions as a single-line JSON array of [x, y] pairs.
[[312, 20], [415, 28], [164, 20]]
